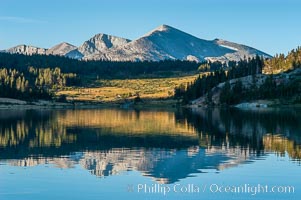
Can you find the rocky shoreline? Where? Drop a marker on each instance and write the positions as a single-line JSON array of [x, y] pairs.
[[8, 103]]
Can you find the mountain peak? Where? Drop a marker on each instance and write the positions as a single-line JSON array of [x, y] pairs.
[[100, 35], [61, 49], [164, 27], [104, 36], [161, 28], [100, 43], [163, 42], [66, 44]]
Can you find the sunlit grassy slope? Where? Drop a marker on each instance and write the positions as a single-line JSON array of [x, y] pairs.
[[114, 90]]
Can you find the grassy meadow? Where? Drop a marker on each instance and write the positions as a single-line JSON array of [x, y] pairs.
[[114, 90]]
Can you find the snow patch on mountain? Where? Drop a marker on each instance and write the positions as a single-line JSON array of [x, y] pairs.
[[228, 47]]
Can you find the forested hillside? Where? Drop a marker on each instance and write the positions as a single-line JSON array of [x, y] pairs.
[[204, 83], [101, 69], [39, 76], [281, 63], [268, 81], [33, 83]]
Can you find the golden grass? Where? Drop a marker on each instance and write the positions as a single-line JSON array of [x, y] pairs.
[[126, 122], [281, 145], [108, 121], [114, 90]]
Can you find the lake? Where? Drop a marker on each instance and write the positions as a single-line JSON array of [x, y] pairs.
[[150, 154]]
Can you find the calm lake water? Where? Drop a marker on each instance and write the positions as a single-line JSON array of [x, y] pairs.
[[143, 154]]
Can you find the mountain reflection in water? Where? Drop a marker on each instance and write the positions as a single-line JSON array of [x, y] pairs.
[[165, 145]]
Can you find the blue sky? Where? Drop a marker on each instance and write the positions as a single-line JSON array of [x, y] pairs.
[[272, 26]]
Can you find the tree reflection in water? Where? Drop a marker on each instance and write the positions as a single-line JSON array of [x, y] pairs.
[[165, 145]]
